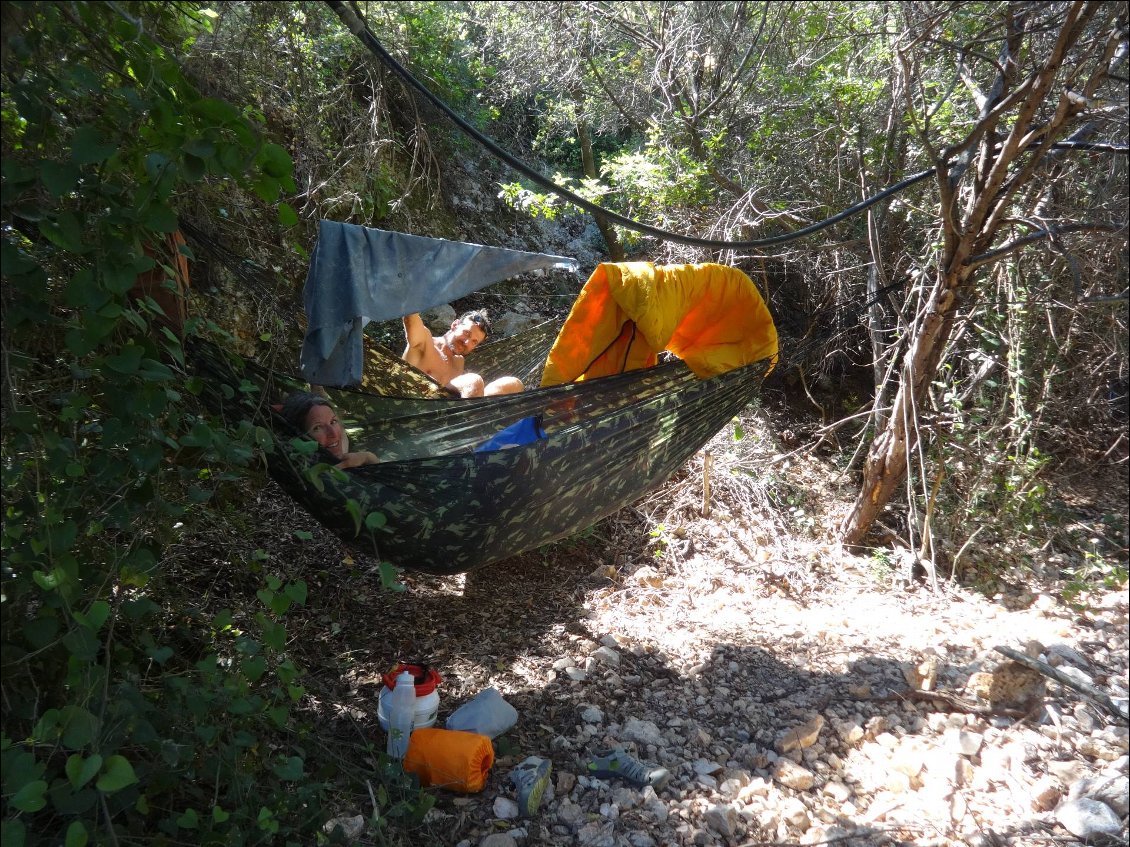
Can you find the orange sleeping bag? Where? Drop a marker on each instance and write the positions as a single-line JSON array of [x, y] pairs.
[[711, 316], [448, 758]]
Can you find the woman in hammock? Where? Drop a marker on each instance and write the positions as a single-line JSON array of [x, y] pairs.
[[313, 416]]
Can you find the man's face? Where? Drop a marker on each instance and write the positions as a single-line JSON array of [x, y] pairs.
[[465, 336]]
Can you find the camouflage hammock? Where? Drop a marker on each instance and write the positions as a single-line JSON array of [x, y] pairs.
[[433, 504], [437, 502]]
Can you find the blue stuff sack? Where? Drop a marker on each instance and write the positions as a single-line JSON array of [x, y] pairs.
[[526, 431]]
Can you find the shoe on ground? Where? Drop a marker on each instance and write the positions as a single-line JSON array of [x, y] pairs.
[[531, 778], [617, 763]]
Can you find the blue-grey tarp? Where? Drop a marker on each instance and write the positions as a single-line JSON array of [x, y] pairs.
[[358, 274]]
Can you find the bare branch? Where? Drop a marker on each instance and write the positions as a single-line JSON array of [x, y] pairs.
[[998, 253]]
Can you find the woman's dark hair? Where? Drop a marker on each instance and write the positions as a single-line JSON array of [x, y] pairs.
[[479, 318], [297, 406]]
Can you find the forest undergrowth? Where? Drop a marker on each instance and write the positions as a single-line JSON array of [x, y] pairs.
[[188, 657], [746, 508]]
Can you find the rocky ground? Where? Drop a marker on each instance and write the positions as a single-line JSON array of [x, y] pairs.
[[797, 693]]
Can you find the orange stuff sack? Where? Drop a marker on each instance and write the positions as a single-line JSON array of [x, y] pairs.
[[448, 758], [711, 316]]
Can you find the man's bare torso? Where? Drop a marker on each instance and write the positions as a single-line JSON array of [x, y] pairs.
[[436, 360]]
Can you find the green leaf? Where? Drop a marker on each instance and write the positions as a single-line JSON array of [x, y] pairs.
[[274, 635], [219, 815], [80, 771], [222, 621], [390, 577], [79, 726], [61, 537], [266, 188], [120, 276], [290, 770], [242, 706], [354, 510], [13, 833], [279, 604], [189, 820], [30, 797], [127, 360], [77, 836], [279, 715], [67, 801], [254, 668], [88, 148], [263, 438], [95, 616], [160, 655], [201, 148], [159, 217], [194, 168], [297, 591], [303, 446], [154, 371], [59, 178], [287, 215], [81, 342], [117, 774], [65, 232], [216, 111], [157, 165], [49, 581], [375, 520], [274, 161], [303, 535]]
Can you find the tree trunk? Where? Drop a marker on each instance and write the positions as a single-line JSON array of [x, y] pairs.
[[588, 163], [887, 460], [972, 215]]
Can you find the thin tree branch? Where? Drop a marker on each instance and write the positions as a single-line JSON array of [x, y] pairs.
[[1089, 691], [977, 261]]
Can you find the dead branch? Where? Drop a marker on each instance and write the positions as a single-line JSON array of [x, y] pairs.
[[1089, 691]]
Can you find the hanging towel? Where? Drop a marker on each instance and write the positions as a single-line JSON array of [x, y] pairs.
[[359, 274]]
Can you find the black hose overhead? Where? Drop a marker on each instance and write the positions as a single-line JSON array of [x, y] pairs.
[[358, 27]]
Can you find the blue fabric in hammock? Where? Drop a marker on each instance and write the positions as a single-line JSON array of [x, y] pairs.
[[526, 431], [359, 274]]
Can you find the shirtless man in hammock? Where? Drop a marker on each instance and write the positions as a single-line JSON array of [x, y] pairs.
[[441, 356]]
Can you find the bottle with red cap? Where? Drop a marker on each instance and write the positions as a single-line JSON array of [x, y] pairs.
[[401, 714]]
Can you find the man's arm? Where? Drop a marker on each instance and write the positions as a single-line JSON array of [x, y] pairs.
[[416, 334], [419, 338]]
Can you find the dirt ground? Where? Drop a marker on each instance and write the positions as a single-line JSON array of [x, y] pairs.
[[729, 580]]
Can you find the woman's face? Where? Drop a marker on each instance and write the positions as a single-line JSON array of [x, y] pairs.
[[323, 426]]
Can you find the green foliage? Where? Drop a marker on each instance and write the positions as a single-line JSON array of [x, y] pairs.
[[650, 184], [123, 718], [1098, 570]]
